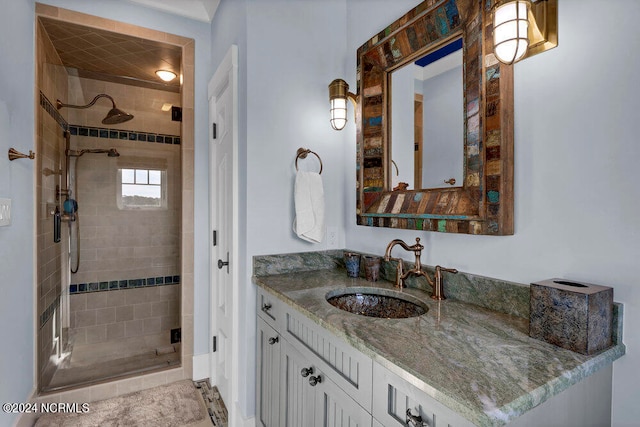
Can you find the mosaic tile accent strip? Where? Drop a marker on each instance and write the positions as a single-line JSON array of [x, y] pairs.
[[48, 312], [114, 285], [124, 135], [53, 111], [107, 133]]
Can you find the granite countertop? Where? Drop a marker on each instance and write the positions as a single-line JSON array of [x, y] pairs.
[[480, 363]]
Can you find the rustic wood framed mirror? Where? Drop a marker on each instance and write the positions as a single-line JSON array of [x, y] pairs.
[[483, 202]]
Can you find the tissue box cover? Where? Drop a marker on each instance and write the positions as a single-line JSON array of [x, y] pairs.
[[573, 315]]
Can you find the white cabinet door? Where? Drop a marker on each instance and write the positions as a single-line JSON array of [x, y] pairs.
[[334, 408], [310, 398], [297, 395], [268, 376]]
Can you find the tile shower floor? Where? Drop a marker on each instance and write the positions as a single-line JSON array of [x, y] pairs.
[[92, 363]]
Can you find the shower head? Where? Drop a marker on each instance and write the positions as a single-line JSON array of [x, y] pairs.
[[111, 152], [114, 116]]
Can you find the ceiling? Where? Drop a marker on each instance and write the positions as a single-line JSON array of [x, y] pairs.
[[104, 55], [201, 10]]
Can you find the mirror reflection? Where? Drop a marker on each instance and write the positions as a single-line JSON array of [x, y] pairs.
[[427, 121]]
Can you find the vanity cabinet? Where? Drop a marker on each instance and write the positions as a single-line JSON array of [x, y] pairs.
[[309, 376], [306, 376]]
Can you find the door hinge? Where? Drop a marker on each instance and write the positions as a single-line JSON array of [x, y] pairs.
[[215, 133], [215, 344], [215, 237]]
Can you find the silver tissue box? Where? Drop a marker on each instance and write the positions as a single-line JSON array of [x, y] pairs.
[[572, 315]]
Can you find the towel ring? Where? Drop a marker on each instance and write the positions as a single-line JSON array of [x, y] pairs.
[[302, 154]]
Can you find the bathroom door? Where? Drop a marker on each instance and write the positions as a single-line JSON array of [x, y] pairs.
[[223, 211]]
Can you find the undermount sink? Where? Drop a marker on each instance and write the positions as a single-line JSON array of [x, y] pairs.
[[374, 302]]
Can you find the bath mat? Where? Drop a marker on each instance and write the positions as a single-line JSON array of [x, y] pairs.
[[171, 405]]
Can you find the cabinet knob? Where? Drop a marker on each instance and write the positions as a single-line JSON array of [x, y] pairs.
[[266, 307], [315, 380], [305, 372], [415, 420], [273, 340]]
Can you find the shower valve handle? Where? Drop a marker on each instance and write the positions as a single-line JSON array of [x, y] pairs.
[[223, 263]]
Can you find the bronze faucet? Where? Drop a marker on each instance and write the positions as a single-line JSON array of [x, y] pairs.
[[401, 275], [417, 269]]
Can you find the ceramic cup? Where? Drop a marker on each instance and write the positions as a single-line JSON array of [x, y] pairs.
[[352, 263], [372, 268]]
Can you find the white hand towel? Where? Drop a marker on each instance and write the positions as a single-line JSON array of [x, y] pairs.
[[309, 203]]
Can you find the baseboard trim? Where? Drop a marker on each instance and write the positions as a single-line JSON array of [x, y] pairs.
[[201, 366]]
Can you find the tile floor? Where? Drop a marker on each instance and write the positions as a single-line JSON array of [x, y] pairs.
[[215, 405]]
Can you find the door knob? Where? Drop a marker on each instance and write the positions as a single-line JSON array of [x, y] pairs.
[[223, 263], [305, 372]]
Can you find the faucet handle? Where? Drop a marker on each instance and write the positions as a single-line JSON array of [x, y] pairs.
[[448, 270], [438, 286]]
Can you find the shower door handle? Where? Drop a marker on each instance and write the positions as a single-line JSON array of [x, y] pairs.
[[223, 263]]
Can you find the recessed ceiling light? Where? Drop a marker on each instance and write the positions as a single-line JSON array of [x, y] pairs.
[[166, 75]]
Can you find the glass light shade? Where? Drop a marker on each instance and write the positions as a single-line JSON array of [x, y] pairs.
[[510, 31], [338, 113], [166, 75]]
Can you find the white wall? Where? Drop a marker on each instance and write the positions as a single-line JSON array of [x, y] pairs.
[[295, 49], [576, 179], [17, 183]]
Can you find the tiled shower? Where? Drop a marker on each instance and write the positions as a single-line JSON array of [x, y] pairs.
[[115, 309]]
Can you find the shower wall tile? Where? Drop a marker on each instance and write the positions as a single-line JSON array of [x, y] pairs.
[[134, 328], [96, 300], [115, 331], [96, 334], [85, 318], [152, 325], [147, 313], [124, 313], [115, 299], [105, 316], [142, 311]]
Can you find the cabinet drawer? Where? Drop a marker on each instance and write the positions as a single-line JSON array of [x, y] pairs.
[[347, 367], [270, 309], [394, 395]]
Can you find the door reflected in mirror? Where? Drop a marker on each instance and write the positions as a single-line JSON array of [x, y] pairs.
[[427, 121]]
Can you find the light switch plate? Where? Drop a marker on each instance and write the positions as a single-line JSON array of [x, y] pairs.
[[5, 212]]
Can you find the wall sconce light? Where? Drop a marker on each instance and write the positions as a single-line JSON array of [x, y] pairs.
[[523, 28], [166, 75], [338, 95]]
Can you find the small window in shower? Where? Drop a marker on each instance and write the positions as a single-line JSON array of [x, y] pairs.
[[142, 189]]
